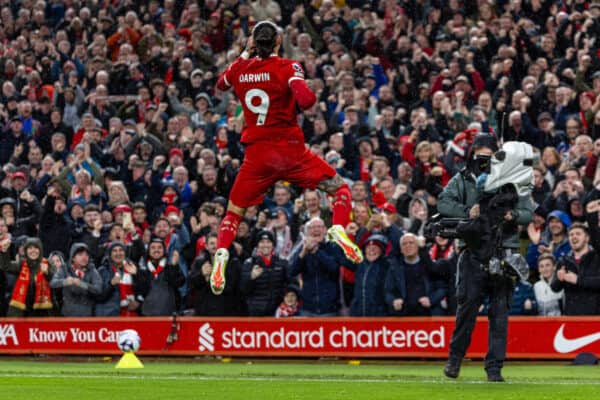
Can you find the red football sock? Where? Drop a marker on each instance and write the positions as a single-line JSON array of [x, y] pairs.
[[228, 229], [342, 206]]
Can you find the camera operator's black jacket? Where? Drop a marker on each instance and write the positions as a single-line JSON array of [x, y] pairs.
[[583, 298], [460, 194]]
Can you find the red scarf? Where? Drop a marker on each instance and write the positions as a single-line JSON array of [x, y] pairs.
[[436, 254], [287, 311], [43, 296], [126, 291], [584, 122], [267, 260], [158, 269], [365, 171]]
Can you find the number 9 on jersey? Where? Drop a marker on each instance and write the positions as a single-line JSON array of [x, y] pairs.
[[262, 108]]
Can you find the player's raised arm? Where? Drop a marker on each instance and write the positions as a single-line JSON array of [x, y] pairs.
[[303, 95], [224, 82]]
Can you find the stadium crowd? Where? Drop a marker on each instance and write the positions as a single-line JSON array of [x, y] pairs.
[[118, 153]]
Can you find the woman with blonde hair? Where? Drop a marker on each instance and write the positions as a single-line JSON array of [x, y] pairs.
[[429, 173]]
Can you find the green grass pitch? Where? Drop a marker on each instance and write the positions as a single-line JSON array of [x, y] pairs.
[[265, 380]]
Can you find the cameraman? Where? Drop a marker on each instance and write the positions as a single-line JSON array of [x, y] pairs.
[[460, 199]]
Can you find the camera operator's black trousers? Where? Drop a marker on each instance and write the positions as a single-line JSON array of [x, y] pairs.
[[473, 283]]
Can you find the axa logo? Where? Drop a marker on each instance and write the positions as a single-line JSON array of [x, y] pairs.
[[564, 345], [8, 332], [206, 338]]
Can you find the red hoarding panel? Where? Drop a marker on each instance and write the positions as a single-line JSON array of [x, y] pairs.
[[548, 338]]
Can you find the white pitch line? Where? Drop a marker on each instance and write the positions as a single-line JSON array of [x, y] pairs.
[[276, 379]]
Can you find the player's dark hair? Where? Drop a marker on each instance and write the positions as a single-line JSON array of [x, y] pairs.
[[265, 38]]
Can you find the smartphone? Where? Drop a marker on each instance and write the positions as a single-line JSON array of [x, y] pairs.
[[127, 219]]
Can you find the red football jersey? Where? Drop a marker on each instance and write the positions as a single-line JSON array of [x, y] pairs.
[[263, 87]]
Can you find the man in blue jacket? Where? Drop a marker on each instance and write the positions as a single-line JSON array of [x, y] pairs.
[[319, 263]]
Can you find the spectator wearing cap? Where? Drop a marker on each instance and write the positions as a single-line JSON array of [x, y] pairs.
[[122, 286], [553, 240], [410, 287], [79, 282], [201, 299], [370, 276], [13, 144], [279, 225], [165, 278], [579, 273], [319, 263], [203, 103], [292, 302], [56, 228], [27, 208], [264, 277], [32, 295], [192, 87]]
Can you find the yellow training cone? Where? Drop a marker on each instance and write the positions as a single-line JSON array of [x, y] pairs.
[[129, 360]]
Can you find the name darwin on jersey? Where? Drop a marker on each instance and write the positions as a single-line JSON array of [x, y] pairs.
[[252, 78]]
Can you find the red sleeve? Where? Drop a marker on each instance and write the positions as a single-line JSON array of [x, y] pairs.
[[478, 84], [437, 84], [227, 77], [408, 153], [302, 93], [222, 83], [590, 166]]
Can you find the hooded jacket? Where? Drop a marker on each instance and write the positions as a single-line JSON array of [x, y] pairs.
[[77, 299], [108, 301], [14, 267]]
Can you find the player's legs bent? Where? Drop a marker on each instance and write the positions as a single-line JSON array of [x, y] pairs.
[[252, 181], [312, 171], [342, 206], [226, 234]]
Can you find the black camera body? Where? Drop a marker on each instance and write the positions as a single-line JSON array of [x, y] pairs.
[[444, 227], [569, 263]]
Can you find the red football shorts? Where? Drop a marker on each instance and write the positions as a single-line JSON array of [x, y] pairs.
[[266, 163]]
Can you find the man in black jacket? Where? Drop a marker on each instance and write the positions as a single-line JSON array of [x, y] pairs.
[[165, 278], [579, 272], [91, 233], [264, 278], [201, 298], [55, 228]]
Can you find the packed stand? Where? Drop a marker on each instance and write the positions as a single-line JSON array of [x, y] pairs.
[[118, 154]]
